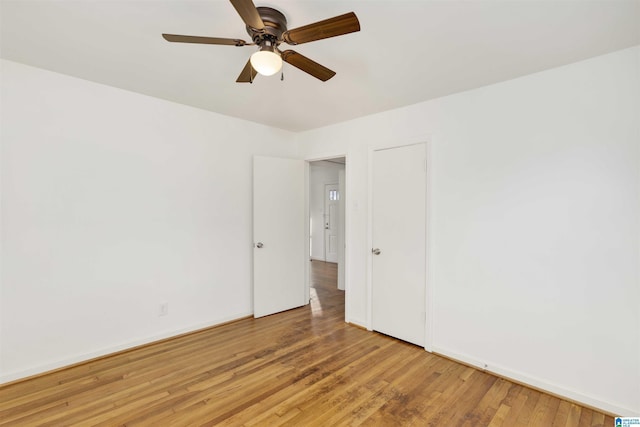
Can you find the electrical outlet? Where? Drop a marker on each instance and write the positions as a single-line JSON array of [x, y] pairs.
[[164, 309]]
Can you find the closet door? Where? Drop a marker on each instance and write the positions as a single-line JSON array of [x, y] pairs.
[[399, 242]]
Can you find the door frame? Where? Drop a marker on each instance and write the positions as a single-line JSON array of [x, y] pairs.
[[347, 228], [429, 241]]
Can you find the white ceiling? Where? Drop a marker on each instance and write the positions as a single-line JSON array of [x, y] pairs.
[[407, 51]]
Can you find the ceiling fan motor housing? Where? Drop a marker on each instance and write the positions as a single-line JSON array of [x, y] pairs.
[[275, 24]]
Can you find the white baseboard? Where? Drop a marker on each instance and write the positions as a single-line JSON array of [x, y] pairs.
[[42, 369], [537, 383]]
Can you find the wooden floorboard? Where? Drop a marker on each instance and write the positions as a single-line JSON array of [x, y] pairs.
[[303, 367]]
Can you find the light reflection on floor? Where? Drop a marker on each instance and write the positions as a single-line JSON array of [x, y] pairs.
[[324, 296], [316, 304]]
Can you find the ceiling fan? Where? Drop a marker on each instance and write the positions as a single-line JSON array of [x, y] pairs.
[[268, 29]]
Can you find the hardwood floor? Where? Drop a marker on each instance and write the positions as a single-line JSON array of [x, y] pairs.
[[304, 367]]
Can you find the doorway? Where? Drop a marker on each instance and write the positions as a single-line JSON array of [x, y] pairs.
[[327, 197]]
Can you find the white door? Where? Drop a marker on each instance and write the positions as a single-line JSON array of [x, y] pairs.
[[278, 233], [331, 222], [399, 253]]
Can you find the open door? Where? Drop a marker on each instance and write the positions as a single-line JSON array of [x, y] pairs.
[[278, 235]]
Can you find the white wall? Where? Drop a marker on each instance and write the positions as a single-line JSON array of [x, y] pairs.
[[320, 174], [113, 203], [535, 224]]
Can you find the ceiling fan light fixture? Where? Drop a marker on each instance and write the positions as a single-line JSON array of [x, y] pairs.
[[266, 61], [268, 29]]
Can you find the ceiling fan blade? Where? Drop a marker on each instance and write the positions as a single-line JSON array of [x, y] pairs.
[[307, 65], [248, 74], [336, 26], [248, 12], [203, 40]]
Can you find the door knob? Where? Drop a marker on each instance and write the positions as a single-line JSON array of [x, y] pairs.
[[259, 245], [375, 251]]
